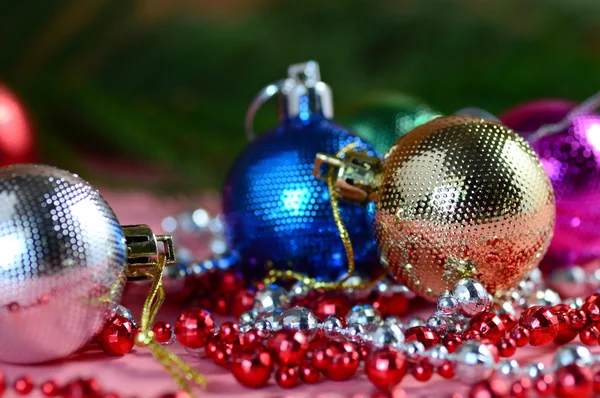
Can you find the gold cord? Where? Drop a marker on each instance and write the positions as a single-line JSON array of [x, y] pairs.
[[274, 274], [181, 372]]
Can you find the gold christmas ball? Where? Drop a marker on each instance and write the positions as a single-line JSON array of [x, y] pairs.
[[462, 197]]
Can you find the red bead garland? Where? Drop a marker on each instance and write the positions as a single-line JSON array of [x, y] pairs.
[[193, 327], [386, 368], [541, 323], [116, 338]]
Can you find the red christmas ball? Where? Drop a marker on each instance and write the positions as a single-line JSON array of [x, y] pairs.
[[287, 377], [541, 323], [17, 141]]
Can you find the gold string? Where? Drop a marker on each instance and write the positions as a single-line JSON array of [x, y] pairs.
[[274, 274], [181, 372]]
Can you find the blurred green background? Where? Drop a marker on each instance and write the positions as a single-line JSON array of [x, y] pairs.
[[162, 86]]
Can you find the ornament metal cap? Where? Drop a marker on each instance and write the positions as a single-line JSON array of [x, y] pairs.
[[302, 92], [142, 250], [358, 175]]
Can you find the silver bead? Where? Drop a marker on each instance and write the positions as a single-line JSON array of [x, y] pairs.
[[274, 318], [437, 355], [387, 335], [474, 362], [262, 324], [332, 326], [125, 313], [471, 296], [508, 368], [355, 332], [299, 289], [384, 287], [572, 354], [299, 318], [534, 370], [415, 321], [439, 323], [363, 314], [394, 320], [270, 298], [545, 298], [398, 288], [414, 350], [506, 308], [248, 316], [246, 327], [194, 352], [536, 277], [447, 305]]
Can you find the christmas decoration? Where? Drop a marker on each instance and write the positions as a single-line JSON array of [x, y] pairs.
[[457, 197], [382, 118], [17, 141], [274, 211], [571, 157], [477, 112]]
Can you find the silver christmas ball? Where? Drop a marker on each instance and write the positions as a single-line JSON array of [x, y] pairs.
[[363, 314], [62, 263], [572, 354], [474, 362], [387, 335], [471, 296]]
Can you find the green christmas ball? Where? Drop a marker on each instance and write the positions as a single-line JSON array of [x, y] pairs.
[[382, 118]]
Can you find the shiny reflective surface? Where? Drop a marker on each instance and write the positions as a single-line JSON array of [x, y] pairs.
[[62, 263], [462, 197], [276, 211]]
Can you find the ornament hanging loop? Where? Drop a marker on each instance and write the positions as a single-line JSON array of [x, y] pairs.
[[143, 250], [301, 92]]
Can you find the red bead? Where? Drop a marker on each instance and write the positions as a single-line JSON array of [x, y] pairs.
[[318, 340], [221, 356], [228, 332], [566, 332], [332, 305], [422, 371], [386, 368], [221, 306], [573, 381], [591, 306], [2, 383], [288, 347], [495, 388], [250, 338], [50, 389], [210, 349], [344, 362], [578, 318], [180, 394], [287, 377], [596, 382], [252, 367], [422, 334], [452, 341], [520, 388], [163, 332], [309, 374], [23, 385], [391, 305], [521, 335], [321, 360], [489, 324], [542, 324], [193, 327], [589, 335], [116, 338], [471, 335], [231, 282], [545, 385], [112, 395], [242, 301], [446, 370], [507, 347], [510, 321]]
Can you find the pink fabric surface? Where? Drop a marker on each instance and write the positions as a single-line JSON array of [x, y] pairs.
[[138, 374]]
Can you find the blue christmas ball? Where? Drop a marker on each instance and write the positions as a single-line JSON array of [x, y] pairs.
[[276, 211]]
